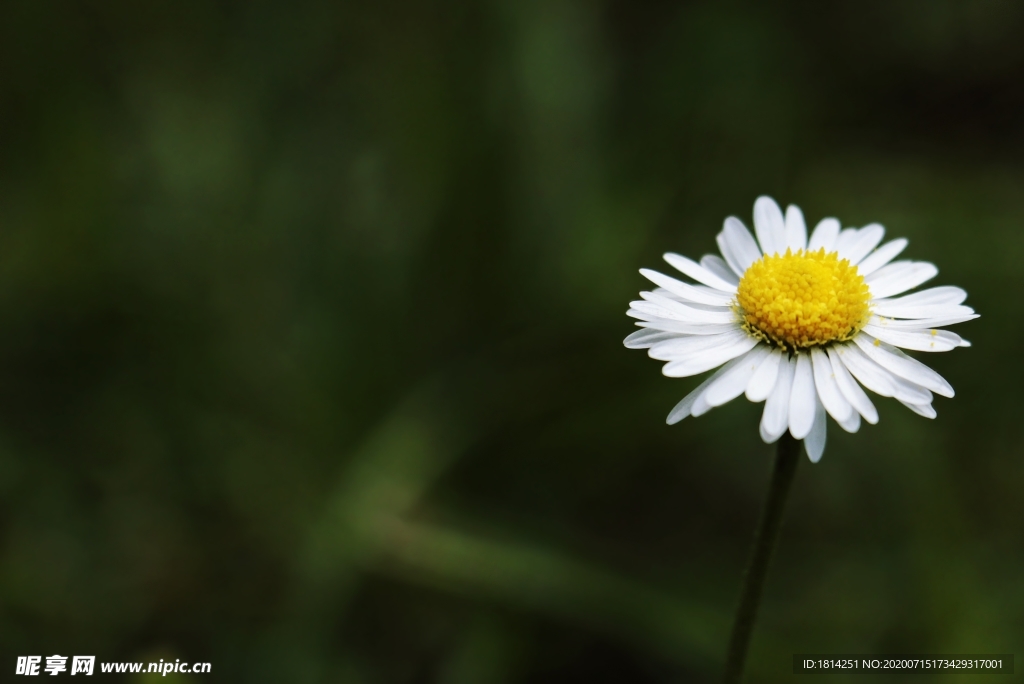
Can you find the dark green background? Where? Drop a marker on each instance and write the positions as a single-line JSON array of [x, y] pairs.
[[311, 321]]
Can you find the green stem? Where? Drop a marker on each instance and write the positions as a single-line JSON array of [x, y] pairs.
[[787, 455]]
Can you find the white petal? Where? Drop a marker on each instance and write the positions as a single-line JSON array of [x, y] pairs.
[[802, 398], [670, 325], [662, 292], [680, 347], [701, 405], [911, 392], [867, 239], [899, 277], [893, 308], [824, 235], [933, 296], [769, 225], [847, 236], [698, 273], [717, 266], [926, 410], [796, 228], [760, 386], [814, 443], [851, 424], [730, 258], [851, 390], [828, 391], [900, 364], [881, 380], [651, 310], [918, 340], [699, 294], [737, 244], [684, 407], [708, 359], [867, 372], [663, 307], [881, 256], [775, 418], [642, 339], [732, 383], [660, 295], [925, 323]]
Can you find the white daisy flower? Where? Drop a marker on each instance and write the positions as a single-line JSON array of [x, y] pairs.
[[800, 324]]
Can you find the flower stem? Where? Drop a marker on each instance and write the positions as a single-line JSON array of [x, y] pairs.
[[787, 455]]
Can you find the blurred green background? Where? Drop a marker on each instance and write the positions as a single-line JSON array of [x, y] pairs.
[[311, 321]]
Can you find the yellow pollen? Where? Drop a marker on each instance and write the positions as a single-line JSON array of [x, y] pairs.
[[800, 300]]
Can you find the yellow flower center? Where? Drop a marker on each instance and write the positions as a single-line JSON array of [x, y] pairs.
[[800, 300]]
